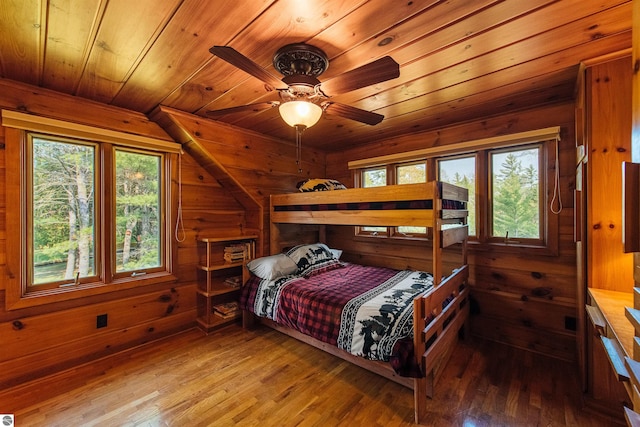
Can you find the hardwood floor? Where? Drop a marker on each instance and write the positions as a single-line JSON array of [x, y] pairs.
[[263, 378]]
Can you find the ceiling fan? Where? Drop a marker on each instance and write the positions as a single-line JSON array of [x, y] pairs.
[[301, 64], [303, 98]]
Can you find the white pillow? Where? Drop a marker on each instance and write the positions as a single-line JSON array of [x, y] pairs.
[[272, 267], [337, 253]]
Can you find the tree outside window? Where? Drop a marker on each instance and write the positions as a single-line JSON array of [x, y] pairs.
[[137, 211], [65, 244], [63, 204], [374, 178], [411, 174], [506, 205], [461, 171], [515, 192]]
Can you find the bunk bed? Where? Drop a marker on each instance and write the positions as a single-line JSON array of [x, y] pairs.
[[438, 313]]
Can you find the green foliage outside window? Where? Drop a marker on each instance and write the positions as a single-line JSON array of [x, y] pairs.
[[63, 203], [137, 211], [462, 172], [516, 194], [374, 178], [411, 174]]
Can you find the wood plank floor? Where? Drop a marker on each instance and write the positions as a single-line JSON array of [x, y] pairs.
[[263, 378]]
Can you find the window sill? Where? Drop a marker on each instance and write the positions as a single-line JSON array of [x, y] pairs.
[[514, 248], [68, 293]]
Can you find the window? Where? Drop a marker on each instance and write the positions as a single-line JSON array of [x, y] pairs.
[[92, 215], [62, 222], [507, 182], [376, 177], [138, 231], [461, 171], [513, 214], [411, 174], [515, 194], [405, 173]]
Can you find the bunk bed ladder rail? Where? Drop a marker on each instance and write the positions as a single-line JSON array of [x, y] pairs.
[[438, 315]]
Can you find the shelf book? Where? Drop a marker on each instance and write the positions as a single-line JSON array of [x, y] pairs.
[[228, 310], [221, 273]]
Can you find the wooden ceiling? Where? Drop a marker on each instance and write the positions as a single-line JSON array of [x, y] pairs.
[[460, 60]]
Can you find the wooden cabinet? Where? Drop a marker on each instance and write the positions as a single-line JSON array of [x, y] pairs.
[[221, 273], [610, 342], [605, 272]]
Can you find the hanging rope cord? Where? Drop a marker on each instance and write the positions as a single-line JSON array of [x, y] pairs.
[[179, 234], [556, 200]]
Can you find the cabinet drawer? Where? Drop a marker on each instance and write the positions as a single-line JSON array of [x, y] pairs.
[[616, 358], [632, 417], [597, 319]]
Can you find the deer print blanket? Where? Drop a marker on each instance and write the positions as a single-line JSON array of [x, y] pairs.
[[366, 311]]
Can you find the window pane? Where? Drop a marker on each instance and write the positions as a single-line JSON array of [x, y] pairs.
[[411, 174], [62, 229], [138, 210], [374, 178], [461, 171], [515, 192]]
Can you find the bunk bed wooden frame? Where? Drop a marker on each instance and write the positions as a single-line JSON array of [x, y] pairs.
[[441, 312]]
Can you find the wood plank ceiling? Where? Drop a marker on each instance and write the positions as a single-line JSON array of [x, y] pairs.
[[460, 60]]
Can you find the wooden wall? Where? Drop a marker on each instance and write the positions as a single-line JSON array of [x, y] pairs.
[[41, 340], [245, 161], [63, 335], [502, 284]]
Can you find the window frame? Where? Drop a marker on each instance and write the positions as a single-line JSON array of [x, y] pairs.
[[392, 178], [361, 230], [18, 294], [164, 232], [31, 288], [473, 156], [483, 241], [542, 213]]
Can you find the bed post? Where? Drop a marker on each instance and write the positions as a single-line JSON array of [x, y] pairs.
[[422, 390], [422, 387], [436, 243]]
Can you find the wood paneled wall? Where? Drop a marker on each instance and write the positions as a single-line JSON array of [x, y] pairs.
[[42, 340], [257, 164], [63, 335], [506, 308]]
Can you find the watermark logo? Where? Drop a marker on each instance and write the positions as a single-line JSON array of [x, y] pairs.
[[7, 420]]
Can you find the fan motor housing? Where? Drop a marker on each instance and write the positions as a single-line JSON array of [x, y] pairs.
[[300, 59]]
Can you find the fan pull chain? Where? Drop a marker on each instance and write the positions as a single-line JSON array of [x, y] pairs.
[[299, 130]]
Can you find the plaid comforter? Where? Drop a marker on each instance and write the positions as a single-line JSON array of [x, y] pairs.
[[353, 307]]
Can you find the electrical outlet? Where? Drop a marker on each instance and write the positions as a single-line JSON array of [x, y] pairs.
[[101, 321], [570, 323]]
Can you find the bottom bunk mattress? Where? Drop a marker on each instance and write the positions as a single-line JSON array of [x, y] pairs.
[[366, 311]]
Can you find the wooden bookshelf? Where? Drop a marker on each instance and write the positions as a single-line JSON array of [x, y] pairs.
[[215, 274]]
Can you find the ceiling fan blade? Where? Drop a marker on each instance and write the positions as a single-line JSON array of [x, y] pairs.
[[237, 59], [353, 113], [380, 70], [242, 108]]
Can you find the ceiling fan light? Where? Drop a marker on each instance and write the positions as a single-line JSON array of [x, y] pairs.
[[300, 113]]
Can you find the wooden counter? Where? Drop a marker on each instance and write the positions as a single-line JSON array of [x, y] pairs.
[[612, 305]]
